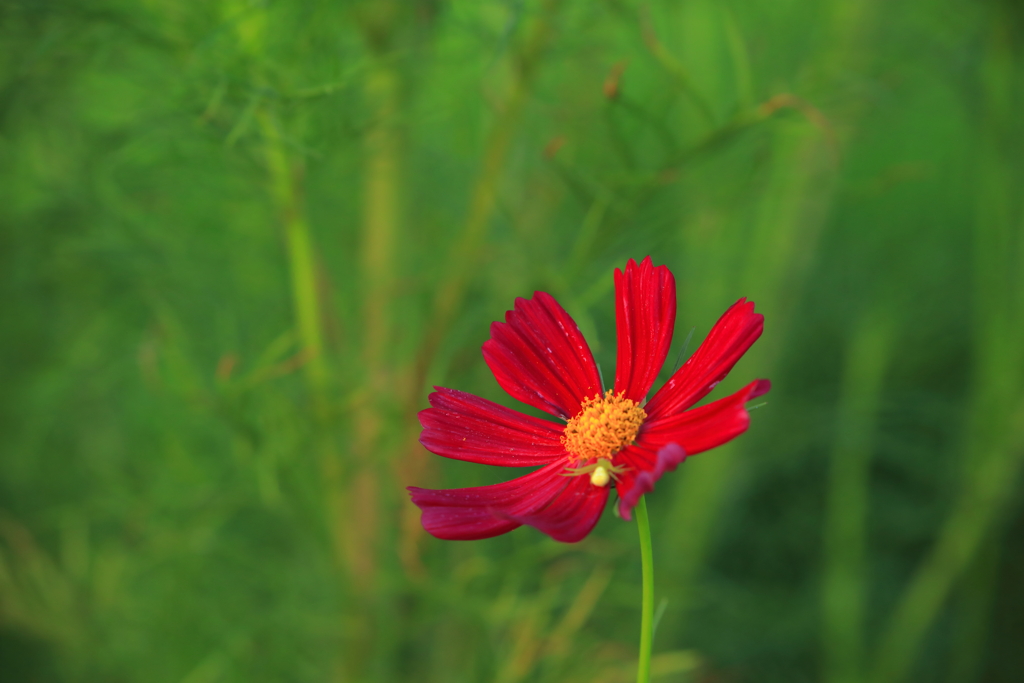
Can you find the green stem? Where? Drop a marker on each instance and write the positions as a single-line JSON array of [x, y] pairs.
[[643, 671]]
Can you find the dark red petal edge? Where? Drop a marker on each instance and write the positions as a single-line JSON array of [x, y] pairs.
[[645, 316], [572, 513], [665, 443], [708, 426], [728, 340], [466, 427], [556, 505], [634, 484], [540, 357]]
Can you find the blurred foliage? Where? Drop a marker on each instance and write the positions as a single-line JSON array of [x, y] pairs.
[[239, 241]]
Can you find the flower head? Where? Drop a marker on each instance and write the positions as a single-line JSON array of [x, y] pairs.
[[608, 437]]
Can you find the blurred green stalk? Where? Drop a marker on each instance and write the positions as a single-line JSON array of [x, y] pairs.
[[249, 24], [463, 258], [843, 586], [976, 511], [772, 261], [287, 196], [973, 607], [367, 519], [784, 235], [301, 259], [380, 230], [994, 448]]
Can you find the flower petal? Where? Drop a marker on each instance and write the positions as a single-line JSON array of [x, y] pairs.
[[451, 518], [645, 316], [572, 513], [666, 442], [540, 357], [708, 426], [466, 427], [647, 466], [728, 340], [485, 511]]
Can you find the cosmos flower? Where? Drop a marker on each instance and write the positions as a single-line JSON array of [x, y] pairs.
[[615, 437]]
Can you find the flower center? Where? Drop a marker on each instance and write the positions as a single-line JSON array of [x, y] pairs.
[[603, 427]]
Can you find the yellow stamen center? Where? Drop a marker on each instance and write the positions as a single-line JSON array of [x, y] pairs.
[[604, 426]]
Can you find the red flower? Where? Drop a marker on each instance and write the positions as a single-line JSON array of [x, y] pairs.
[[540, 358]]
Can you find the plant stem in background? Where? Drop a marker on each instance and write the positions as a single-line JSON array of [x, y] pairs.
[[301, 260], [672, 66], [973, 606], [306, 301], [785, 232], [643, 671], [285, 191], [773, 258], [843, 587], [976, 511], [380, 227], [371, 644], [994, 448], [381, 203], [463, 257]]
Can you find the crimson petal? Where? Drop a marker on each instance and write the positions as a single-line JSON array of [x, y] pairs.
[[637, 481], [572, 513], [728, 340], [645, 316], [485, 511], [466, 427], [708, 426], [539, 356], [666, 442]]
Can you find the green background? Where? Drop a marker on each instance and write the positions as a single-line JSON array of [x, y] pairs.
[[240, 240]]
